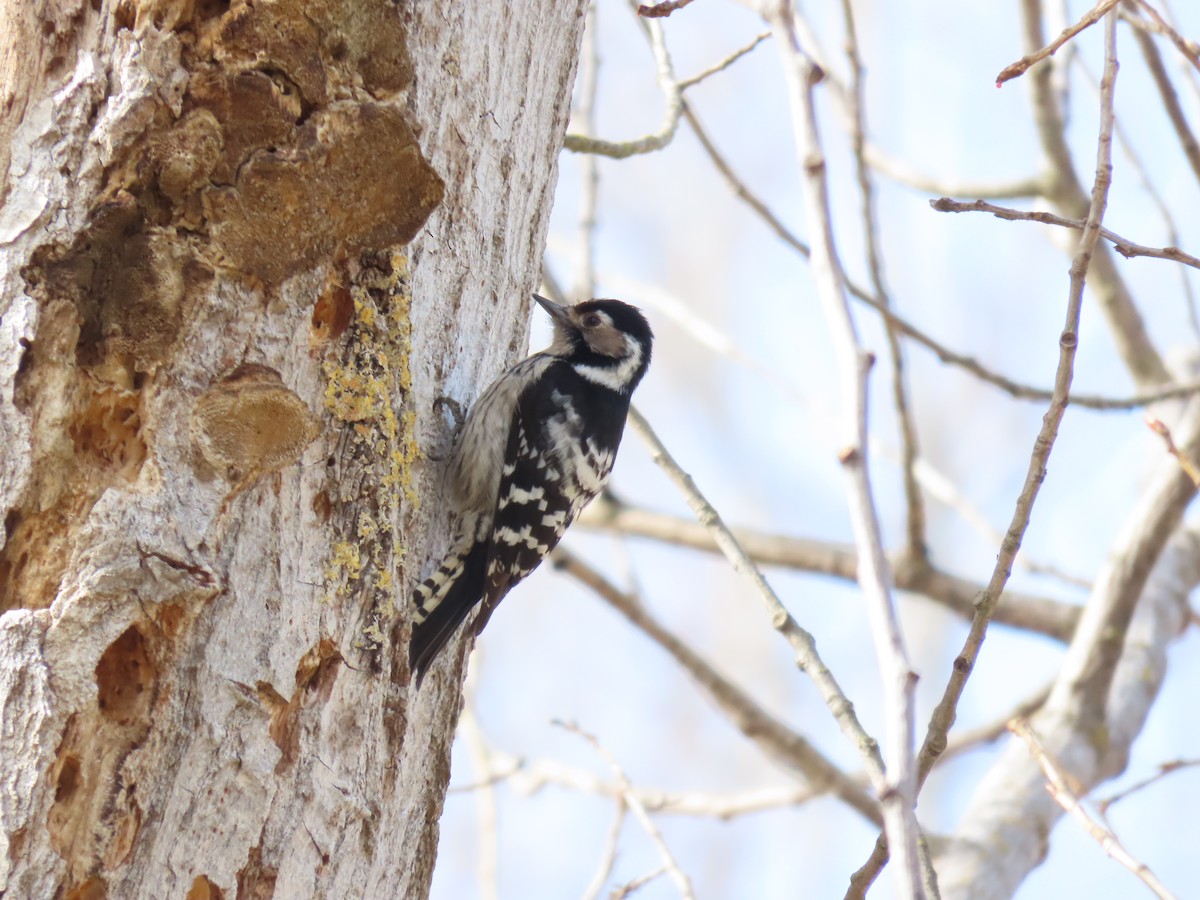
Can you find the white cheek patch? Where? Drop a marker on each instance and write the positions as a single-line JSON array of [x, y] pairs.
[[615, 378]]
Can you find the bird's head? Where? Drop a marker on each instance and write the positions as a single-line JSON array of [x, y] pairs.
[[608, 342]]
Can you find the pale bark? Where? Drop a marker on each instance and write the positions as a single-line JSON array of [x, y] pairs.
[[243, 251]]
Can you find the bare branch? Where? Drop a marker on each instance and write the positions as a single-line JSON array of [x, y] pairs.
[[609, 857], [1021, 66], [943, 352], [528, 777], [771, 736], [914, 500], [1021, 391], [1189, 49], [1126, 248], [1059, 785], [1066, 193], [801, 642], [903, 173], [579, 143], [1001, 836], [1191, 149], [1166, 91], [723, 64], [1164, 770], [1019, 610], [661, 10], [677, 875], [968, 739], [898, 797], [944, 490], [946, 711], [631, 887]]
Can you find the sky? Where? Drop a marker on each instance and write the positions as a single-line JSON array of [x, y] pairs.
[[759, 438]]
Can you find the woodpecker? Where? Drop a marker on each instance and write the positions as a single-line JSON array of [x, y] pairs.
[[536, 447]]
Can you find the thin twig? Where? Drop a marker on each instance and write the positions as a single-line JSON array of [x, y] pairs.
[[1191, 149], [609, 857], [1058, 783], [1125, 247], [914, 500], [1066, 193], [913, 879], [943, 489], [661, 10], [1021, 66], [1189, 71], [1166, 91], [723, 64], [579, 143], [1190, 49], [802, 643], [770, 735], [1159, 427], [944, 353], [1068, 342], [527, 778], [1164, 770], [1052, 618], [740, 189], [905, 174], [677, 875], [946, 711], [636, 884], [1019, 391], [969, 738], [1136, 611]]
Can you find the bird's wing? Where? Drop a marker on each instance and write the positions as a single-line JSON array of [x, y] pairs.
[[537, 500]]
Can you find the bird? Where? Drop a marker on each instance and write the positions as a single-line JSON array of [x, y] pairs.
[[536, 447]]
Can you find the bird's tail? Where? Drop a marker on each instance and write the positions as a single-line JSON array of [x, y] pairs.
[[443, 601]]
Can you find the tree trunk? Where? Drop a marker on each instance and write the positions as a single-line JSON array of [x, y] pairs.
[[243, 250]]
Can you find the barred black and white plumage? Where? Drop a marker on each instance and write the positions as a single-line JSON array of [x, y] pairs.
[[536, 448]]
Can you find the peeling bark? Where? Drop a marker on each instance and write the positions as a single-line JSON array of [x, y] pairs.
[[243, 248]]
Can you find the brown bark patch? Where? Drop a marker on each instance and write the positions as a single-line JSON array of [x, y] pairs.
[[107, 434], [184, 158], [355, 179], [127, 282], [203, 889], [125, 824], [95, 819], [125, 677], [249, 424], [315, 675], [250, 110], [254, 880], [103, 446], [37, 551], [94, 888], [331, 314], [318, 45]]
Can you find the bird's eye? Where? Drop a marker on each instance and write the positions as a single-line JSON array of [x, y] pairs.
[[592, 320]]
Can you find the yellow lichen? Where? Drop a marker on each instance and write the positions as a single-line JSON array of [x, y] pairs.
[[374, 634], [346, 562], [366, 388]]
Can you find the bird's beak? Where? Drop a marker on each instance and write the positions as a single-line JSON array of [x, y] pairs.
[[557, 312]]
